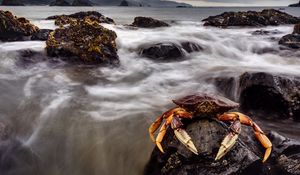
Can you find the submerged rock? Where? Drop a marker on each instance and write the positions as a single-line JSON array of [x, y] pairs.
[[82, 3], [12, 3], [15, 29], [292, 40], [60, 3], [207, 136], [264, 94], [251, 18], [148, 22], [295, 5], [266, 32], [124, 3], [169, 51], [85, 41], [41, 35], [67, 19]]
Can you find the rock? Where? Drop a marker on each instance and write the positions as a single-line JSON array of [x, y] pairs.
[[296, 29], [82, 3], [85, 41], [12, 3], [124, 3], [292, 40], [266, 32], [264, 94], [286, 153], [60, 3], [93, 15], [207, 135], [15, 29], [41, 35], [147, 22], [295, 5], [169, 51], [251, 18]]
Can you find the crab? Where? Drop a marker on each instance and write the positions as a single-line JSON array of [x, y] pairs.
[[206, 105]]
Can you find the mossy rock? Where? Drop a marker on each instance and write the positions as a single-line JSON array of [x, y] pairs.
[[85, 41]]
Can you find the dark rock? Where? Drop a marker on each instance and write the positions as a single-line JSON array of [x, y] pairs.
[[41, 35], [12, 3], [207, 136], [82, 3], [264, 94], [251, 18], [295, 5], [85, 41], [147, 22], [292, 40], [266, 32], [60, 3], [15, 29], [169, 51], [93, 15], [286, 153], [124, 3], [296, 29]]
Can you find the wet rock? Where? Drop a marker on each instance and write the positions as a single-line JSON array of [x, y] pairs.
[[41, 35], [85, 41], [207, 135], [251, 18], [12, 3], [292, 40], [67, 19], [169, 51], [296, 29], [266, 32], [124, 3], [264, 94], [60, 3], [295, 5], [15, 29], [286, 154], [82, 3], [148, 22]]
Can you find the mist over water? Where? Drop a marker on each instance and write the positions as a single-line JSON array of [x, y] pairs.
[[84, 120]]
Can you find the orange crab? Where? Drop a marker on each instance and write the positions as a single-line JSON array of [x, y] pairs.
[[206, 105]]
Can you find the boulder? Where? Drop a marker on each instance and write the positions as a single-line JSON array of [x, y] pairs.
[[169, 51], [295, 5], [41, 35], [12, 3], [15, 29], [60, 3], [82, 3], [67, 19], [148, 22], [85, 41], [251, 18], [264, 94], [207, 135], [292, 40]]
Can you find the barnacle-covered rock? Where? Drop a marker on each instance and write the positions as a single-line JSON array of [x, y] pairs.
[[67, 19], [251, 18], [13, 28], [84, 40]]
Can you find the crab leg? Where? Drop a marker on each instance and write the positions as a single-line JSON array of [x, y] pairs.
[[182, 135], [259, 134], [154, 126], [230, 139], [160, 136]]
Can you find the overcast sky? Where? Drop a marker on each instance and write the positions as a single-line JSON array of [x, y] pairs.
[[239, 2]]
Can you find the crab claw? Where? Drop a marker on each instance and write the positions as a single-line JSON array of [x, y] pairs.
[[230, 139], [185, 139]]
